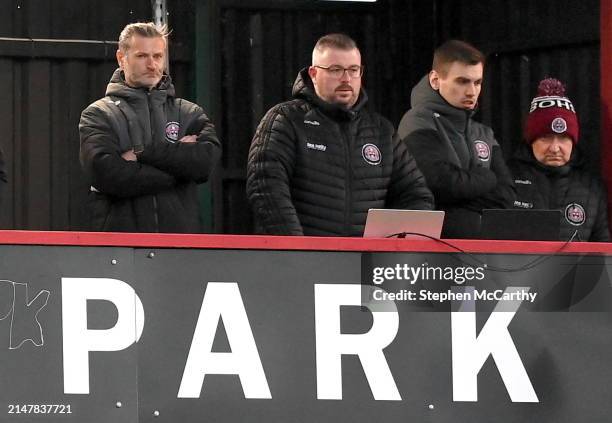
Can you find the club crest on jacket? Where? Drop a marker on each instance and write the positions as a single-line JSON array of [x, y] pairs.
[[575, 214], [172, 131], [371, 154], [482, 150]]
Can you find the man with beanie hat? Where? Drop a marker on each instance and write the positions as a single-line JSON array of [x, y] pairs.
[[460, 158], [549, 171]]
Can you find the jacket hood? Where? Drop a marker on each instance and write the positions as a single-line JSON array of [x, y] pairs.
[[118, 87], [304, 89], [425, 97]]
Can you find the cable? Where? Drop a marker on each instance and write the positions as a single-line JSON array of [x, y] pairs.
[[536, 262]]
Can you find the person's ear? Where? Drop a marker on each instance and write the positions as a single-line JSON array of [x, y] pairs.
[[312, 72], [434, 80], [119, 54]]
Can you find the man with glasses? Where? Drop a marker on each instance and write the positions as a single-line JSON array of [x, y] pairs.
[[460, 158], [318, 162]]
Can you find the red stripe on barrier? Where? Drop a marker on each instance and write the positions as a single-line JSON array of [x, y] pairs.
[[255, 242]]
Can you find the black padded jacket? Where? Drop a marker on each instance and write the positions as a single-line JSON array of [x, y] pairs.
[[156, 193], [579, 195], [316, 168], [460, 158]]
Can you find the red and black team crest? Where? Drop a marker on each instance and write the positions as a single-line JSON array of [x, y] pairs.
[[172, 131], [575, 214], [482, 150], [371, 154], [559, 125]]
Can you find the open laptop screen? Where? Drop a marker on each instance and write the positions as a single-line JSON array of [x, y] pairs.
[[381, 223], [524, 225]]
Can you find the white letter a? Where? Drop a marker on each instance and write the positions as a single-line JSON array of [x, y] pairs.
[[223, 300]]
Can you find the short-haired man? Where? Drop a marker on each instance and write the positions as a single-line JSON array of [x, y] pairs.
[[460, 158], [143, 148], [550, 172], [318, 162]]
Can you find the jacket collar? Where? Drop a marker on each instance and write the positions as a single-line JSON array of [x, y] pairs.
[[119, 88], [525, 154]]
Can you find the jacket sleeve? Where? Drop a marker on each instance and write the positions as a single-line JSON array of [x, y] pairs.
[[407, 189], [187, 161], [449, 182], [504, 193], [269, 171], [102, 162], [600, 232]]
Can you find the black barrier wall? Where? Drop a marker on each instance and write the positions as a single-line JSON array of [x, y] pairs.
[[244, 335]]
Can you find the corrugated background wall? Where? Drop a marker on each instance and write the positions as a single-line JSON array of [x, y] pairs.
[[259, 47]]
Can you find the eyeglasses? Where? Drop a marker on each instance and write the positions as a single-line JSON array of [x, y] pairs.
[[337, 71]]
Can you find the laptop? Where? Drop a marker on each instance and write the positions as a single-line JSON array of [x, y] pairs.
[[382, 223], [523, 225]]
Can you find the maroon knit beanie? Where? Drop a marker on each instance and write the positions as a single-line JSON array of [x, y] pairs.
[[551, 112]]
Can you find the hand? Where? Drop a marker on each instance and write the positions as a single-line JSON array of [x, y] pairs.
[[129, 156], [189, 138]]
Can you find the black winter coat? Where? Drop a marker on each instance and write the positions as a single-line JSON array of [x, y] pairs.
[[156, 193], [460, 158], [579, 195], [316, 168]]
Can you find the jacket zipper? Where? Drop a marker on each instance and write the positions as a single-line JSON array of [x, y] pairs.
[[151, 120], [349, 180], [155, 211], [468, 142]]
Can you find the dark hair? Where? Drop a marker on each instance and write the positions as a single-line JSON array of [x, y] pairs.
[[456, 51], [339, 41]]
